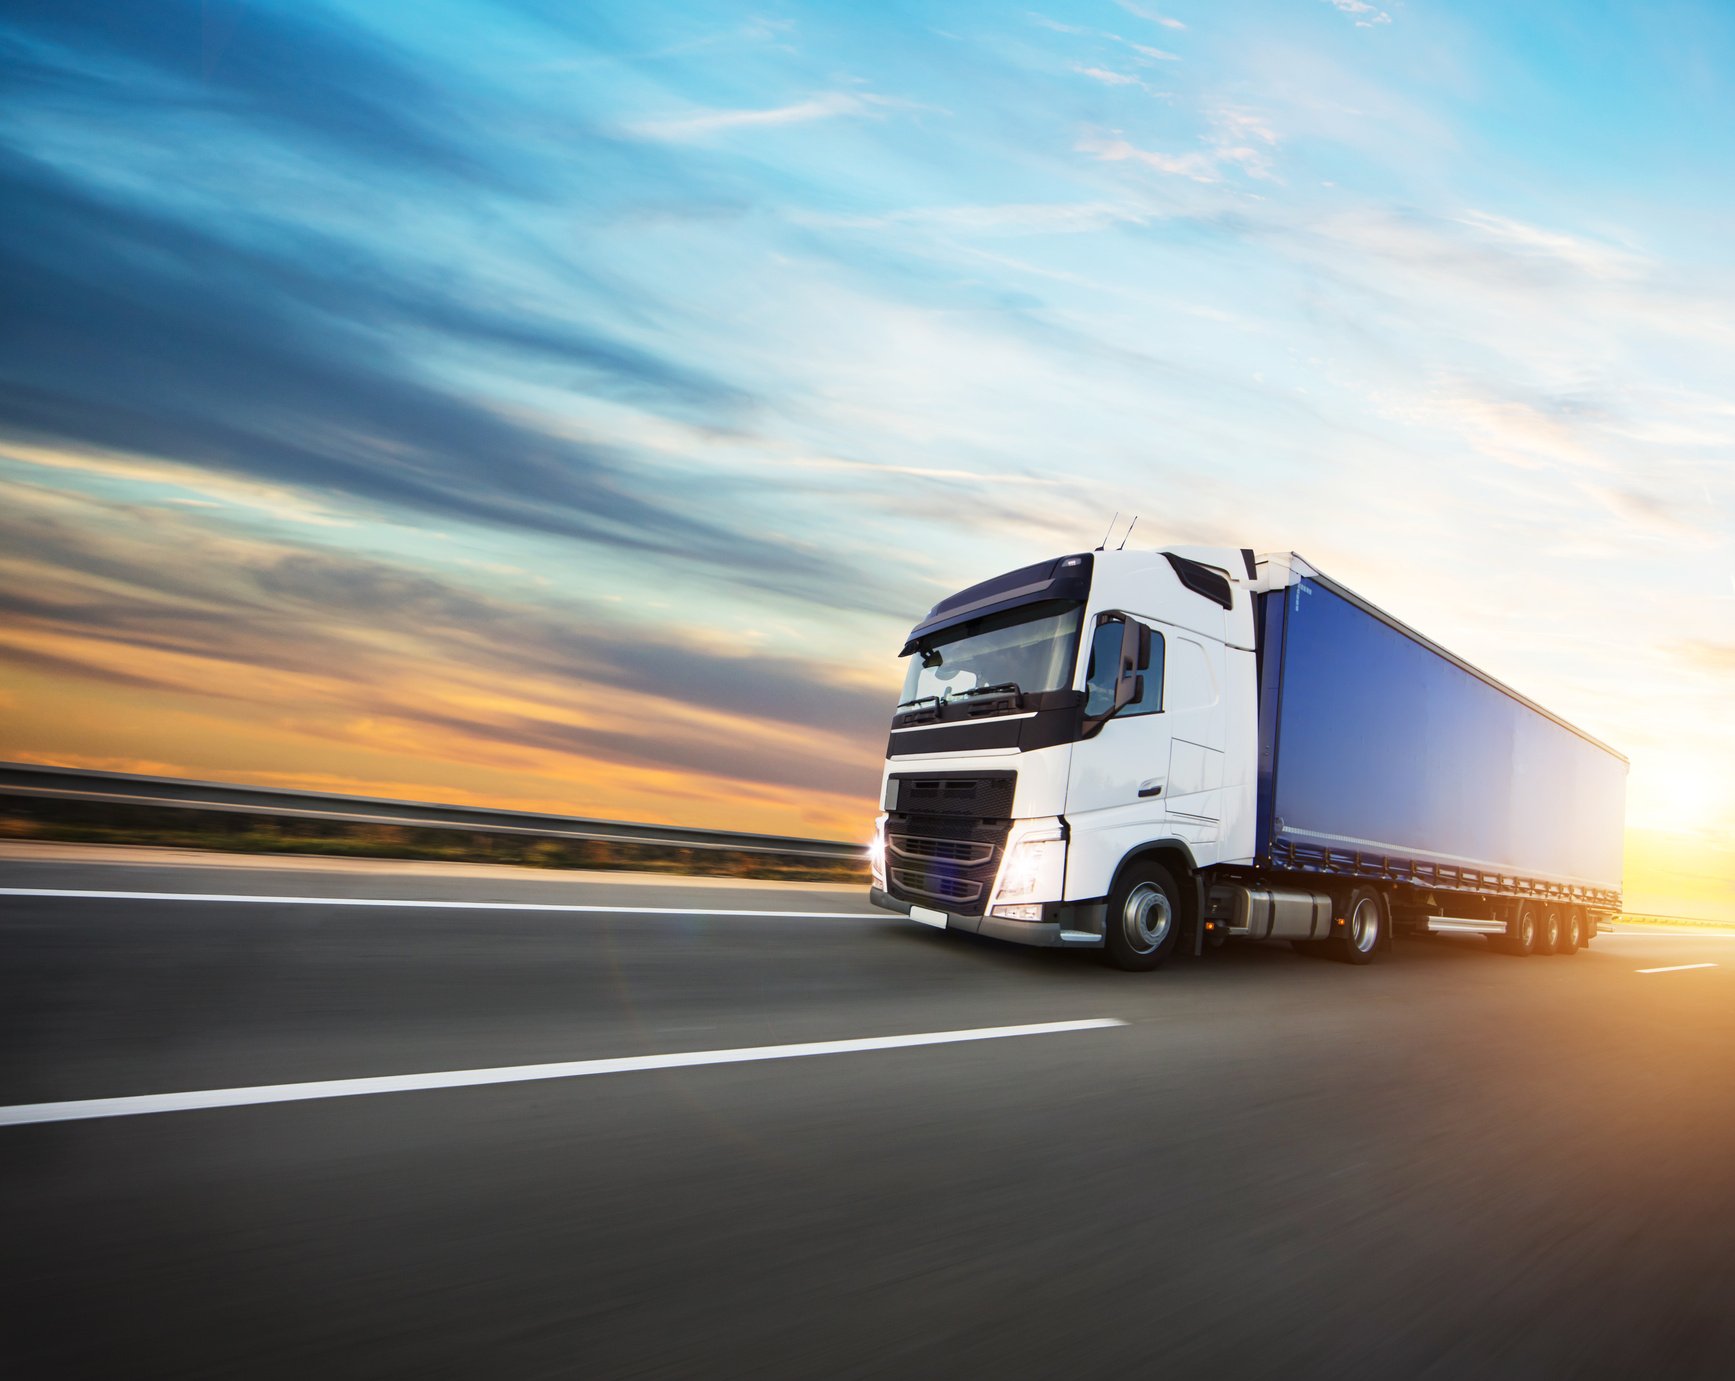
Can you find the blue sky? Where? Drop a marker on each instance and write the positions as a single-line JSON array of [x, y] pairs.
[[573, 404]]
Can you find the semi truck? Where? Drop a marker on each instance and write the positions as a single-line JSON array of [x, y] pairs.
[[1149, 750]]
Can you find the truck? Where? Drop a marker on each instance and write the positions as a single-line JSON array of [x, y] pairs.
[[1149, 750]]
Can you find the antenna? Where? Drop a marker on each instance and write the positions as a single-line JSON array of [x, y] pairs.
[[1128, 533], [1111, 522]]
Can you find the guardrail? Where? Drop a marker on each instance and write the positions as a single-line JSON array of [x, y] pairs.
[[31, 781]]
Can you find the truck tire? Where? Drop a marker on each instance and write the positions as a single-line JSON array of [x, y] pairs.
[[1144, 918], [1586, 927], [1365, 934], [1521, 932], [1548, 928], [1571, 931]]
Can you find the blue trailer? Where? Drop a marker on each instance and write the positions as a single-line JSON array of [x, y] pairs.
[[1137, 750], [1384, 756]]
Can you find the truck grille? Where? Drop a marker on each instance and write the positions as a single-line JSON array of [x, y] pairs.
[[945, 837], [964, 851], [986, 796]]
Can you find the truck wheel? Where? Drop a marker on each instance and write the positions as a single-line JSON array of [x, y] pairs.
[[1586, 927], [1571, 931], [1548, 930], [1521, 932], [1366, 931], [1144, 918]]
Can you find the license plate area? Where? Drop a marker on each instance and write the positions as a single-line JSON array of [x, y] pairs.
[[936, 919]]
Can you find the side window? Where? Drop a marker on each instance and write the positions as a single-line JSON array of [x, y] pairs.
[[1099, 681], [1099, 676]]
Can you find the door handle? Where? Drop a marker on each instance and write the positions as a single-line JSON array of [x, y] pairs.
[[1151, 788]]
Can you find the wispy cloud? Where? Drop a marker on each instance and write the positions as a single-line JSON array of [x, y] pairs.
[[1146, 12], [1106, 76], [1017, 218], [703, 124], [1364, 14], [1238, 140]]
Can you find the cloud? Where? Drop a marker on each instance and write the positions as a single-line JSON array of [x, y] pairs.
[[131, 331], [1649, 512], [94, 572], [1105, 76], [703, 124], [1708, 656], [304, 72], [1236, 140], [1538, 245], [1020, 218], [371, 653], [1364, 14], [1146, 12]]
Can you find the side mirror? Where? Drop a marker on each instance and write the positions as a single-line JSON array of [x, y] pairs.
[[1135, 656], [1123, 658]]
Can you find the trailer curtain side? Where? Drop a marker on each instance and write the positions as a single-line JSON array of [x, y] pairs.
[[1380, 753]]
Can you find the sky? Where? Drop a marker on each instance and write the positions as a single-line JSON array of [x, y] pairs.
[[571, 406]]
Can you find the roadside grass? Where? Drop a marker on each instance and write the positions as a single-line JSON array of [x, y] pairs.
[[231, 833]]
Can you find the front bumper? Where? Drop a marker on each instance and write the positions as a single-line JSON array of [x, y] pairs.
[[1044, 932]]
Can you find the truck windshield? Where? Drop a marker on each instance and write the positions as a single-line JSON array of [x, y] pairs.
[[1032, 649]]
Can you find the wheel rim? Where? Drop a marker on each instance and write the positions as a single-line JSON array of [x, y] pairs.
[[1147, 917], [1551, 929], [1527, 930], [1574, 931], [1364, 925]]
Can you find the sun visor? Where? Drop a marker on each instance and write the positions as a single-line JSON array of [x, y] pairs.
[[1067, 579]]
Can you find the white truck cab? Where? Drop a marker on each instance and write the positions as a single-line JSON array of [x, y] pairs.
[[1061, 719]]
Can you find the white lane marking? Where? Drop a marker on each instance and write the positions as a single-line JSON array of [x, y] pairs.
[[439, 905], [23, 1113], [1669, 934], [1676, 968]]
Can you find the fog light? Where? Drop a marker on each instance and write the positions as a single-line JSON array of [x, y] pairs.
[[1028, 911]]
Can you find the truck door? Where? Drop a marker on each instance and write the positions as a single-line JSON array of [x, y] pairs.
[[1154, 770], [1118, 775]]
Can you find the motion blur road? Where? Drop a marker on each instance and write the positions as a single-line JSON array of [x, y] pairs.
[[1454, 1164]]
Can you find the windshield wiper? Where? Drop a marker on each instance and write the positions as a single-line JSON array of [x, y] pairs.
[[1002, 688], [919, 700]]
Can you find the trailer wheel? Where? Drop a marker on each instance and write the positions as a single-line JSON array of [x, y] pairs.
[[1521, 932], [1548, 929], [1365, 931], [1144, 918], [1586, 927], [1571, 931]]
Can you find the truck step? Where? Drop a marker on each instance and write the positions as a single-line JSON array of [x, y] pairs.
[[1459, 925]]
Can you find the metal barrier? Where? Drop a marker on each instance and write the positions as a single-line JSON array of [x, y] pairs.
[[19, 779]]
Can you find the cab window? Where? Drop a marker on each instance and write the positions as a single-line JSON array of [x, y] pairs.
[[1105, 651]]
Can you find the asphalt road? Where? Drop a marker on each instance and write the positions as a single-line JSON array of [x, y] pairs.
[[1453, 1164]]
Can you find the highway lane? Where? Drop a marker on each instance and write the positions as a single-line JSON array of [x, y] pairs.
[[1453, 1164]]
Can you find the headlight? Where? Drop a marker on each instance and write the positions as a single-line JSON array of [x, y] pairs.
[[1033, 869], [877, 853]]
